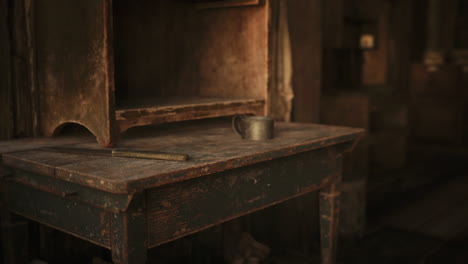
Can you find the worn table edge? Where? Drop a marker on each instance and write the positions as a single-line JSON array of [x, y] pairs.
[[139, 185]]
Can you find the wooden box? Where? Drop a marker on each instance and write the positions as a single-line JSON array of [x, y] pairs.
[[110, 65]]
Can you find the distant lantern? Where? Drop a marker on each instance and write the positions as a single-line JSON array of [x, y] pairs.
[[367, 41]]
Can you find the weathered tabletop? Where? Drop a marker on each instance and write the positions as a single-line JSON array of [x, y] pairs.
[[129, 205], [212, 147]]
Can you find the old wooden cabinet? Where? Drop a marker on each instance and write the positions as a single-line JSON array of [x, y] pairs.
[[110, 65]]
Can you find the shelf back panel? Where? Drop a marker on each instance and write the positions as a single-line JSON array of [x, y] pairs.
[[173, 48]]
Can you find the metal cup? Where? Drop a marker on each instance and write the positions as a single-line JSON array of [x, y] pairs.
[[254, 127]]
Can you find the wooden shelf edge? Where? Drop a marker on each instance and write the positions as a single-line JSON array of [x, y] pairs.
[[226, 4], [127, 118]]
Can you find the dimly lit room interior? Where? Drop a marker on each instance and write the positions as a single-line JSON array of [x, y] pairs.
[[233, 131]]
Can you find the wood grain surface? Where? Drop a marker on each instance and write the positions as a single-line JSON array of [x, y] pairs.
[[147, 111], [176, 210], [75, 68], [212, 148]]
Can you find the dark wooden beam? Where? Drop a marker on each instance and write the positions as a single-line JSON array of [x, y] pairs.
[[305, 25], [23, 68], [300, 215], [6, 104]]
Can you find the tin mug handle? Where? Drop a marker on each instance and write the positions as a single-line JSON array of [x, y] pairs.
[[237, 126]]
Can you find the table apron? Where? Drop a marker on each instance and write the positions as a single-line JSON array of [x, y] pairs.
[[74, 217], [179, 209], [104, 200]]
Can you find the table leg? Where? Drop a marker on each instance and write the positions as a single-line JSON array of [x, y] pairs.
[[129, 234], [329, 218], [14, 238]]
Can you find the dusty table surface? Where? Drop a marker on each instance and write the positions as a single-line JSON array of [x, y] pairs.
[[212, 147]]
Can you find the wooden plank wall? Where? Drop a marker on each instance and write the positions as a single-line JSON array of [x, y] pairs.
[[18, 107], [300, 215], [23, 68], [6, 92], [305, 24]]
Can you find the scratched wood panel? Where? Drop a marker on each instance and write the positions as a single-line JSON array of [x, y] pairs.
[[75, 71], [147, 111], [17, 145], [23, 144], [86, 222], [180, 209], [45, 162], [235, 50], [74, 192], [23, 67], [212, 148], [172, 48]]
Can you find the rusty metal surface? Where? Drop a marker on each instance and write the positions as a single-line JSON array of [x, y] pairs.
[[212, 148]]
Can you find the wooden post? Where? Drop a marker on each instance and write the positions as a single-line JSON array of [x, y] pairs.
[[329, 220], [433, 25], [6, 97], [23, 68], [129, 237], [305, 27]]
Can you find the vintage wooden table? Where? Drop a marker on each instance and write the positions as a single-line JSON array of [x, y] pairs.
[[131, 205]]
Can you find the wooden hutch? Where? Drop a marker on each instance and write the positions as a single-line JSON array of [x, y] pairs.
[[111, 65]]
